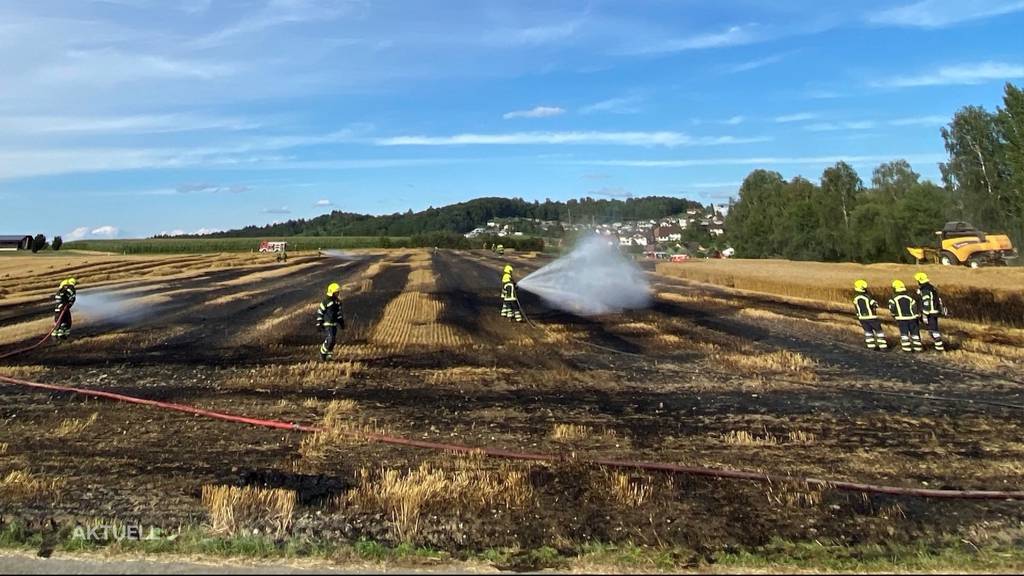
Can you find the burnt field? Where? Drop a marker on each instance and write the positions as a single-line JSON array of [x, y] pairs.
[[706, 377]]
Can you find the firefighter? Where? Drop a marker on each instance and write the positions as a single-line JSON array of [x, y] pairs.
[[506, 271], [506, 276], [509, 302], [904, 310], [931, 308], [329, 318], [867, 312], [65, 298]]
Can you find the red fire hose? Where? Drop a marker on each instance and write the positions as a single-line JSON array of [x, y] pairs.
[[523, 456], [42, 341], [547, 457]]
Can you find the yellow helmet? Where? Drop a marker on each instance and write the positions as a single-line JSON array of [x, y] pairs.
[[506, 278], [899, 286], [921, 278], [333, 289], [860, 285], [508, 269], [72, 282]]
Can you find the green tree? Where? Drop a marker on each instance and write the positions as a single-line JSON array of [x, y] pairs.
[[57, 243], [841, 190], [1010, 124], [754, 216], [38, 243], [976, 164]]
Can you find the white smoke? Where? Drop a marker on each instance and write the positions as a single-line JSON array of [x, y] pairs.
[[105, 307], [342, 255], [591, 280]]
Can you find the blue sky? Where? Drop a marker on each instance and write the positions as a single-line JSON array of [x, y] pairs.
[[125, 118]]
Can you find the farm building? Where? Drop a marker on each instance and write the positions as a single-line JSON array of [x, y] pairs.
[[12, 243]]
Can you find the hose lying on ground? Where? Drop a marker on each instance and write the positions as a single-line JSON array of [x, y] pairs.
[[42, 341], [548, 457]]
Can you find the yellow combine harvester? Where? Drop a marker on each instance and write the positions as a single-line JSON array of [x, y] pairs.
[[963, 244]]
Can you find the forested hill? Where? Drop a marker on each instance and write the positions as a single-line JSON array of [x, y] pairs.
[[465, 216]]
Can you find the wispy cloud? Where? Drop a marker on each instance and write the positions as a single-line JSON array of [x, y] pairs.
[[281, 210], [942, 13], [323, 203], [750, 65], [760, 161], [667, 139], [963, 74], [278, 13], [734, 121], [211, 188], [109, 66], [733, 36], [837, 126], [620, 105], [535, 112], [138, 124], [798, 117], [920, 121]]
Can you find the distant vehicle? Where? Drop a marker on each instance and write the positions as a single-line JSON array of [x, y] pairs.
[[961, 244], [273, 246], [680, 257]]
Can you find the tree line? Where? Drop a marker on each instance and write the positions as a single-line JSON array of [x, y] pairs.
[[465, 216], [842, 219]]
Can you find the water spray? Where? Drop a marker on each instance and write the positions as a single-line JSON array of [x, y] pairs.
[[593, 279]]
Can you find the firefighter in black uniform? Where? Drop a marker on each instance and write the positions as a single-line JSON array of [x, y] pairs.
[[329, 318], [867, 313], [931, 309], [904, 310], [65, 298], [509, 301]]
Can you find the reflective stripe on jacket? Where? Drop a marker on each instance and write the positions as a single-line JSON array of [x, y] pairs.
[[866, 306], [508, 292], [65, 297], [931, 303], [329, 313], [903, 306]]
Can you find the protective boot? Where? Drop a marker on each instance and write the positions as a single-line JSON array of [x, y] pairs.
[[869, 341], [880, 341]]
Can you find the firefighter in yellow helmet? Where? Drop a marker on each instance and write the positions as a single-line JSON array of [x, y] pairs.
[[509, 301], [506, 271], [931, 308], [867, 313], [904, 309], [65, 297], [329, 318]]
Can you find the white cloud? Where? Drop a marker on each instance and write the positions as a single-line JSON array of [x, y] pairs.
[[799, 117], [281, 210], [536, 112], [139, 124], [837, 126], [761, 161], [86, 232], [203, 231], [323, 203], [278, 13], [669, 139], [964, 74], [942, 13], [920, 121], [211, 188], [734, 121], [621, 105], [755, 64], [109, 66], [733, 36]]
